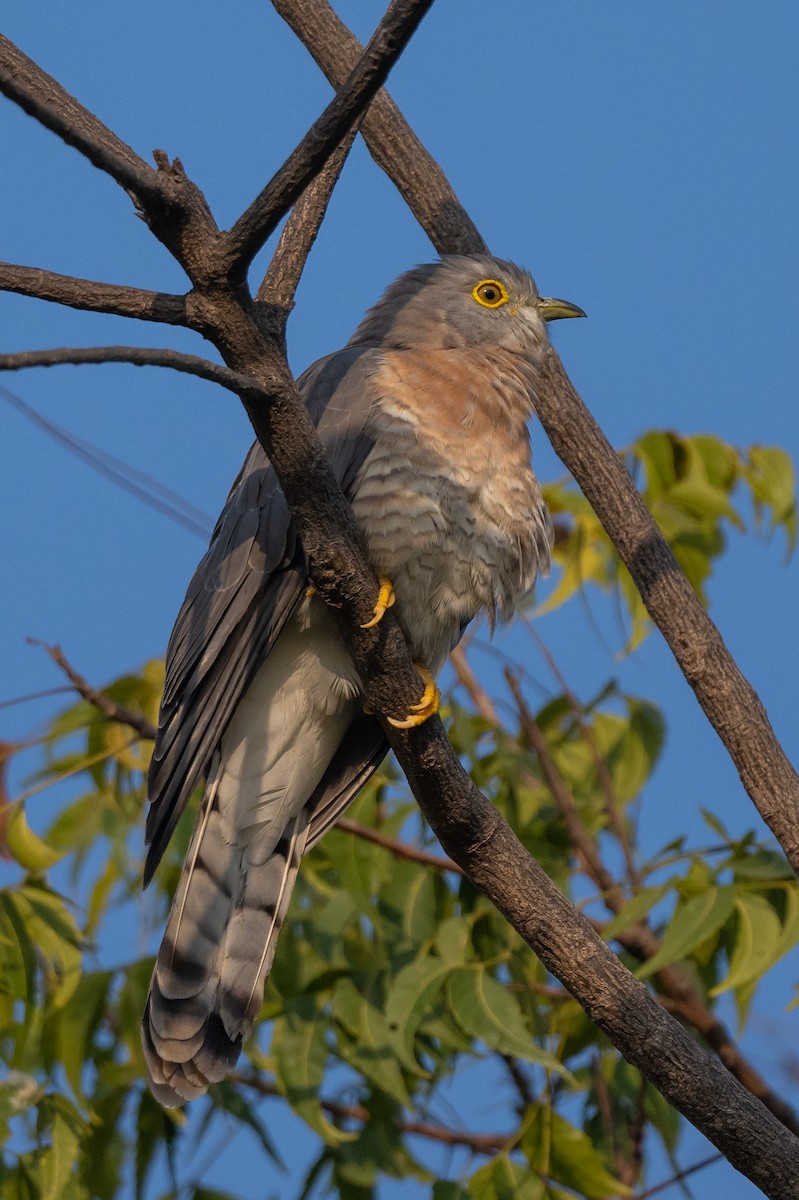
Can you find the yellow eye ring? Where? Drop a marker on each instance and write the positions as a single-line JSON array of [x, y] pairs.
[[490, 293]]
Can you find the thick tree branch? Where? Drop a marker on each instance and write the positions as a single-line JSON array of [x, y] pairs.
[[390, 140], [469, 827], [92, 296], [728, 699], [680, 996], [386, 45], [137, 356], [43, 98]]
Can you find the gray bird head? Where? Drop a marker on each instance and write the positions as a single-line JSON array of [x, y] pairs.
[[463, 300]]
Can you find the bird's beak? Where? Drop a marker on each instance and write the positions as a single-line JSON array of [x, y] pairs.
[[555, 310]]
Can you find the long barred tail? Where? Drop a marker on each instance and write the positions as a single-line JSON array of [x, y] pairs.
[[220, 940]]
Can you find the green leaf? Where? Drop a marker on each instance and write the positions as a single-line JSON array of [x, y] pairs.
[[76, 1022], [486, 1011], [692, 924], [758, 941], [504, 1179], [372, 1052], [300, 1052], [565, 1154], [410, 998], [449, 1191], [27, 848], [635, 909], [57, 1163]]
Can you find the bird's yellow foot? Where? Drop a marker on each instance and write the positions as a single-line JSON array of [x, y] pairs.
[[385, 599], [310, 590], [427, 706]]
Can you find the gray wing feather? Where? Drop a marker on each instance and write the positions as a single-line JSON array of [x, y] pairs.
[[243, 592]]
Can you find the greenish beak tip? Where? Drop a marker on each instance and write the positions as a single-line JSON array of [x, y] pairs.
[[556, 310]]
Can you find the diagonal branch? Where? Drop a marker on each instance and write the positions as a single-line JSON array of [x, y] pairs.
[[680, 996], [92, 296], [99, 700], [137, 356], [728, 699], [390, 140], [386, 45], [299, 235], [43, 98]]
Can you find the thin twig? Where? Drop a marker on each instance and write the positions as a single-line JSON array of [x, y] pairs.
[[580, 838], [93, 296], [99, 700], [398, 849], [386, 45], [612, 806], [480, 1143], [678, 1178], [136, 356], [466, 676], [680, 997]]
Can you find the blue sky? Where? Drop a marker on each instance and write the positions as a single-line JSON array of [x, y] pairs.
[[640, 159]]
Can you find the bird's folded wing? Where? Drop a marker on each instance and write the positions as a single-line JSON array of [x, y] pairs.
[[245, 588]]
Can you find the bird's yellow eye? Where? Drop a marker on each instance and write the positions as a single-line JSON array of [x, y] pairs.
[[490, 293]]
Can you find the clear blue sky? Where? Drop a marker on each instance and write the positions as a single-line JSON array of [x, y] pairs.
[[640, 159]]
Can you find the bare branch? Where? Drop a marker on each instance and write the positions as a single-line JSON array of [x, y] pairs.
[[99, 700], [386, 45], [480, 1143], [43, 98], [398, 849], [92, 296], [728, 699], [680, 1175], [466, 676], [391, 141], [297, 239], [137, 356]]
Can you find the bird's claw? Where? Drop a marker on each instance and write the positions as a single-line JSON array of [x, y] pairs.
[[427, 707], [385, 599]]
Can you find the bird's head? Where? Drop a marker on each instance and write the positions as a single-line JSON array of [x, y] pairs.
[[463, 300]]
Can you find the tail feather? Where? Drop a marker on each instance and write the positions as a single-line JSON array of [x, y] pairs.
[[207, 985]]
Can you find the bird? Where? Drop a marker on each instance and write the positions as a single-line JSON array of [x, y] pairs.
[[424, 416]]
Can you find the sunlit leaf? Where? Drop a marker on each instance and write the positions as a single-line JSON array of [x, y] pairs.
[[691, 925]]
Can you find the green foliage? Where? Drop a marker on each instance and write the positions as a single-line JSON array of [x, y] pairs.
[[393, 977], [692, 486]]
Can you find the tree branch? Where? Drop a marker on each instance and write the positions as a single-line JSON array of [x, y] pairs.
[[728, 699], [386, 45], [137, 356], [99, 700], [480, 1143], [299, 235], [680, 997], [469, 827], [43, 98], [390, 140], [92, 296], [397, 848]]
